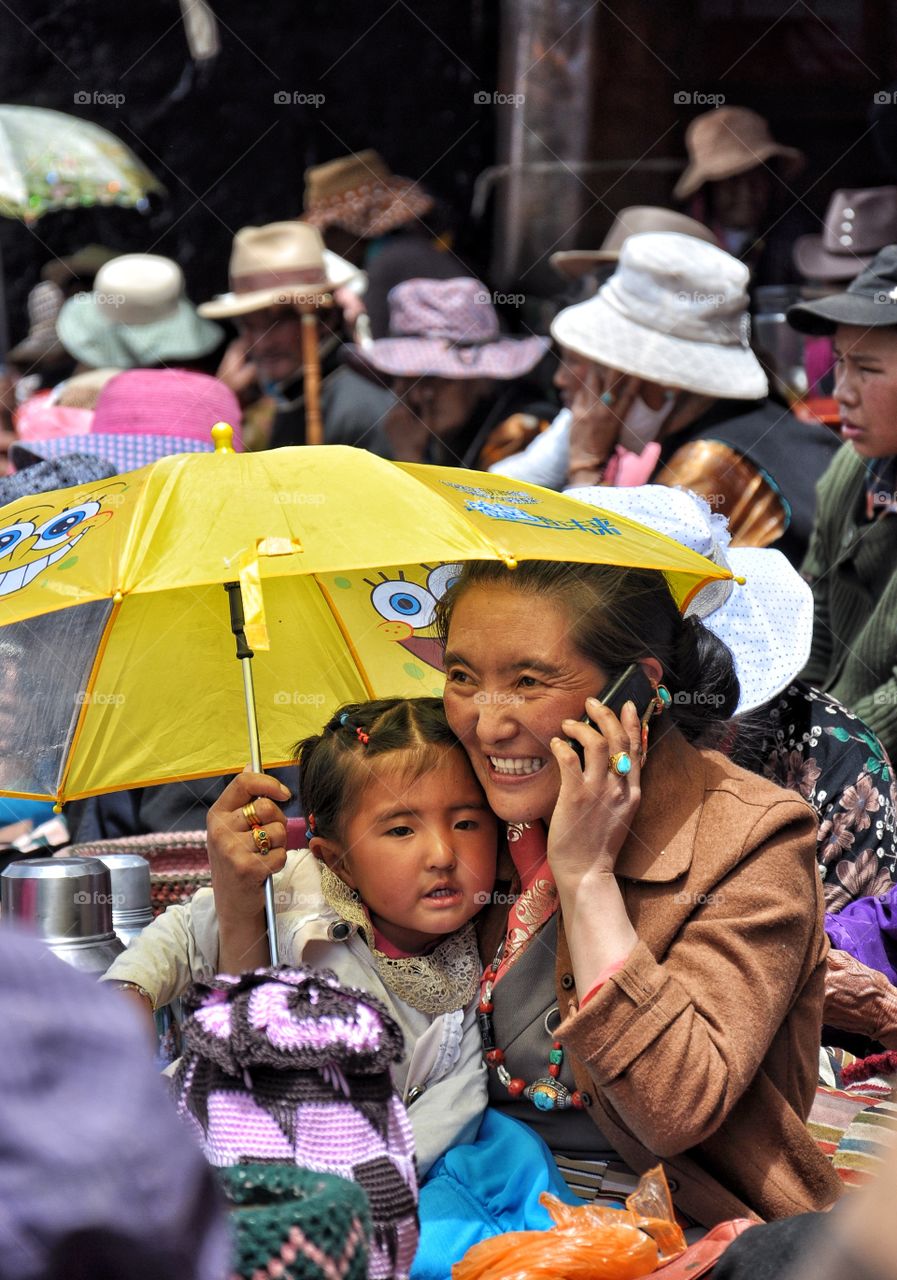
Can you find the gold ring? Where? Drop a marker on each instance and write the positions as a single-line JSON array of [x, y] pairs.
[[262, 843], [250, 814], [620, 763]]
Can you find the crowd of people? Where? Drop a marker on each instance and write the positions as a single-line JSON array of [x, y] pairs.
[[611, 932]]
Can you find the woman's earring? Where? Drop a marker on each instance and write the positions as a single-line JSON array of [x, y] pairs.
[[663, 699]]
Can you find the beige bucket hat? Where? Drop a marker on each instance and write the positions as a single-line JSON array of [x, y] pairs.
[[674, 312]]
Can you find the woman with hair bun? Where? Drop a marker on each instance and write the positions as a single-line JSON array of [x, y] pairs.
[[655, 988]]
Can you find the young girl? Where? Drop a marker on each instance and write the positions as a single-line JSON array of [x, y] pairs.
[[401, 856]]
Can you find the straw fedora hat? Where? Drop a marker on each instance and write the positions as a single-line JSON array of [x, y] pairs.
[[138, 314], [573, 263], [280, 264], [361, 195], [674, 312], [728, 141]]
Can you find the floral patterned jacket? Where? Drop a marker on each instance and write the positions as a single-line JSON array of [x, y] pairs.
[[815, 746]]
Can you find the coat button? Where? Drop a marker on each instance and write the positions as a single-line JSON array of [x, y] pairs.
[[567, 981], [339, 931], [673, 1185], [586, 1099], [413, 1094]]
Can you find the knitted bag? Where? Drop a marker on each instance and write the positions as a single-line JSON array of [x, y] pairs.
[[295, 1224], [287, 1065]]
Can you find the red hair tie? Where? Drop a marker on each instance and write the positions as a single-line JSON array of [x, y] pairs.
[[363, 738]]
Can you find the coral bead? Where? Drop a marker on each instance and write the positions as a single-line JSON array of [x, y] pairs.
[[495, 1057], [516, 1087], [576, 1100], [485, 1006]]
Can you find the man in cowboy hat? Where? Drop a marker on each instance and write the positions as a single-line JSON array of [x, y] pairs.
[[737, 182], [460, 383], [661, 383], [278, 274]]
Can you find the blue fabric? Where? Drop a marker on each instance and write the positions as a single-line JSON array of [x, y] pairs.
[[14, 809], [484, 1188]]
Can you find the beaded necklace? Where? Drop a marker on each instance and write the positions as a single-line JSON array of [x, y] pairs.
[[547, 1092]]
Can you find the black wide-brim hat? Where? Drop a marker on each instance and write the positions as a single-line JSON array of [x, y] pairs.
[[870, 301]]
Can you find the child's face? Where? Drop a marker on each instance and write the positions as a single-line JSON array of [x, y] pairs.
[[420, 851], [866, 388]]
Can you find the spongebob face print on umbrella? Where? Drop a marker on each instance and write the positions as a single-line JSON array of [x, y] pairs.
[[115, 644]]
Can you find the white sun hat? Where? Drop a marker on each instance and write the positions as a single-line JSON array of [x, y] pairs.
[[767, 623], [675, 312]]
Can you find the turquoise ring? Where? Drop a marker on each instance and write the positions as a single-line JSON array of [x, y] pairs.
[[608, 398], [620, 763]]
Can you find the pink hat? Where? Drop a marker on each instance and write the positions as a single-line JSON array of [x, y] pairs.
[[40, 418], [448, 329], [166, 402]]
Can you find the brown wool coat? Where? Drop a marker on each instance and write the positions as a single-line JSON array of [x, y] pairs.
[[703, 1050]]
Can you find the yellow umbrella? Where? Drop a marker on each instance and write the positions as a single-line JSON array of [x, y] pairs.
[[115, 651]]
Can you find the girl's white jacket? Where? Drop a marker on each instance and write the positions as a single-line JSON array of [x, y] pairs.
[[442, 1076]]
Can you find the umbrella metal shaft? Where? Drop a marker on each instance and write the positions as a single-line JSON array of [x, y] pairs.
[[245, 655]]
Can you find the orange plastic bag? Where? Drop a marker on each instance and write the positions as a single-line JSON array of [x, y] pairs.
[[587, 1242]]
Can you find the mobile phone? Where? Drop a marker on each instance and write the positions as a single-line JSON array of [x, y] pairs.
[[632, 685]]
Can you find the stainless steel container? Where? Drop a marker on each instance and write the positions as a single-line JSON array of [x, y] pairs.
[[132, 907], [67, 902]]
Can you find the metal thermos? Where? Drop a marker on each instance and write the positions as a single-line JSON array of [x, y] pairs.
[[132, 907], [67, 902]]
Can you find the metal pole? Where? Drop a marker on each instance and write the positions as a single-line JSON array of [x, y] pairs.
[[245, 655]]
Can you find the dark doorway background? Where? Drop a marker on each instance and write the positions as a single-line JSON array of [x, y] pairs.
[[404, 78]]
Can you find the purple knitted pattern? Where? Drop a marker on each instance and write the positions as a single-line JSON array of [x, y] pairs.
[[286, 1064]]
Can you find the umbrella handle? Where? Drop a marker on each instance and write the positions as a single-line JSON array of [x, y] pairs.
[[245, 656]]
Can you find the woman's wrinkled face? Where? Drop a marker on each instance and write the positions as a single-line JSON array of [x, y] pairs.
[[866, 388], [512, 677]]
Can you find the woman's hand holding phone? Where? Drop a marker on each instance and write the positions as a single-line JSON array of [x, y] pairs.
[[595, 807]]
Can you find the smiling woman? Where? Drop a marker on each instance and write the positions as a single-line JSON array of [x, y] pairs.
[[650, 972], [852, 560]]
